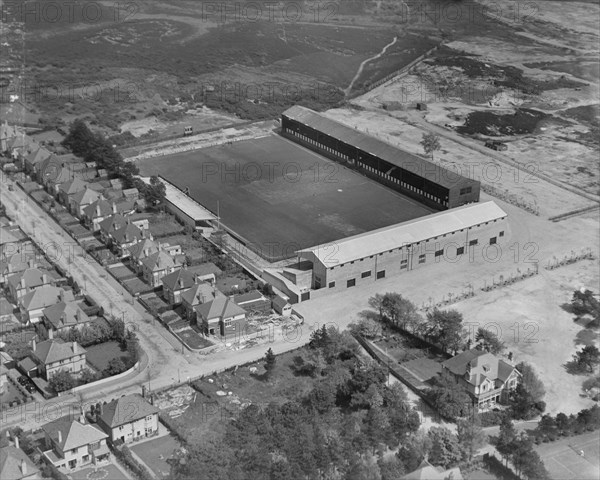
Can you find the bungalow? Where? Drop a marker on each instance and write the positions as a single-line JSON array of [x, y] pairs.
[[128, 418], [73, 443], [16, 465], [158, 265], [176, 283], [200, 293], [282, 306], [207, 272], [486, 378], [63, 316], [55, 355], [67, 190], [221, 316], [82, 199], [254, 302], [24, 282], [33, 303]]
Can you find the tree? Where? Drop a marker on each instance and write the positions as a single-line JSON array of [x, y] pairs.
[[87, 376], [489, 341], [391, 468], [506, 437], [445, 328], [470, 436], [531, 382], [445, 450], [155, 192], [62, 381], [413, 451], [430, 143], [587, 358], [79, 139], [534, 467], [366, 327], [449, 398], [269, 362], [114, 367]]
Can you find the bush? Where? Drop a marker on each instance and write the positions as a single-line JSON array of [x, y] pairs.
[[490, 419], [124, 454]]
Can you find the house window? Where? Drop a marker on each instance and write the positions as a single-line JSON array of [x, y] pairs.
[[381, 274], [460, 250], [439, 253], [148, 418], [85, 458], [403, 264], [350, 283], [331, 284], [464, 191], [422, 258], [501, 234], [473, 242], [492, 240], [365, 274]]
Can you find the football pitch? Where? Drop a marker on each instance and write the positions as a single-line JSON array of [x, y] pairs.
[[279, 197]]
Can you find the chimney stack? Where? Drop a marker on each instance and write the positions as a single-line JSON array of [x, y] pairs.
[[33, 344], [75, 348], [78, 315], [114, 208], [61, 295], [44, 279], [81, 415], [59, 436], [23, 283], [30, 263], [144, 391], [23, 467], [97, 209], [50, 334], [16, 441]]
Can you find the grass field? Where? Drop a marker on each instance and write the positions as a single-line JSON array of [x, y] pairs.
[[108, 472], [563, 461], [282, 197], [155, 454], [99, 355]]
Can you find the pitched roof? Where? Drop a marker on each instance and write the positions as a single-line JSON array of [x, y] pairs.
[[200, 293], [74, 434], [86, 196], [280, 301], [253, 296], [220, 307], [17, 261], [98, 208], [6, 236], [405, 233], [6, 308], [376, 147], [483, 366], [38, 156], [113, 222], [206, 269], [65, 314], [127, 233], [143, 247], [159, 261], [55, 350], [126, 409], [34, 277], [44, 296], [12, 460], [426, 471], [73, 186], [27, 364], [179, 279]]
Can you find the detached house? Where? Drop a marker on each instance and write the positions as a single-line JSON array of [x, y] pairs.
[[157, 266], [128, 419], [68, 190], [486, 378], [74, 443], [221, 316], [14, 263], [7, 132], [54, 355], [198, 294], [140, 251], [34, 159], [82, 199], [176, 283], [34, 302], [125, 237], [26, 281], [63, 316], [97, 211]]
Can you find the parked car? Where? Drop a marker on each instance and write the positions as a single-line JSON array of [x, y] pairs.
[[31, 388], [495, 145], [23, 379]]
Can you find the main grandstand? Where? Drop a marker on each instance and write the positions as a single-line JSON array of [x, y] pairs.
[[392, 250], [411, 175]]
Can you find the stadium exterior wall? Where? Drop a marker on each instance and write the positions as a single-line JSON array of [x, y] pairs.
[[490, 239]]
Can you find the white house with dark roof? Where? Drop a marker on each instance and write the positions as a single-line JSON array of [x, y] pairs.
[[26, 281], [55, 355], [486, 378], [174, 284], [82, 199], [201, 292], [74, 443], [157, 266], [128, 418]]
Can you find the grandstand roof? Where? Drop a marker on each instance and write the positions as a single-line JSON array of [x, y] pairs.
[[408, 161], [388, 238]]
